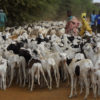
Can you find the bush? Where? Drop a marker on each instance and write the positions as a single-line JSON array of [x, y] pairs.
[[25, 11]]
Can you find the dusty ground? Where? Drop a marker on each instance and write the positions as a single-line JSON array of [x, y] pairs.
[[17, 93]]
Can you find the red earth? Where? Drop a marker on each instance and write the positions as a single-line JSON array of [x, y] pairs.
[[17, 93]]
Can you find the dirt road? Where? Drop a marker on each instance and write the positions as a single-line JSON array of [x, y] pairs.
[[17, 93]]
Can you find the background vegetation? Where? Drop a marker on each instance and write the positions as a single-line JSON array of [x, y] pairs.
[[23, 11]]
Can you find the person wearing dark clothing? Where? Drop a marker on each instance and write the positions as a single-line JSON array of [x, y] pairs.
[[98, 22]]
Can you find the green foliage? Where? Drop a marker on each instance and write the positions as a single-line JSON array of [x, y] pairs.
[[82, 6], [20, 11], [78, 6]]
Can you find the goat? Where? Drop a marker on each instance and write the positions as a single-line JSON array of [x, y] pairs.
[[80, 69]]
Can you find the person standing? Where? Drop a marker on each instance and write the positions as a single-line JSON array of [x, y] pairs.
[[72, 24], [98, 22], [85, 25], [3, 20], [92, 20]]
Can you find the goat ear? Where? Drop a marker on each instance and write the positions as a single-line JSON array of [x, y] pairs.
[[94, 46], [94, 41]]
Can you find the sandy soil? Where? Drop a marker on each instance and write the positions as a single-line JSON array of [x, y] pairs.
[[17, 93]]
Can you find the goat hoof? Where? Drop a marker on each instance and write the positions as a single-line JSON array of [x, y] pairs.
[[4, 89], [57, 86], [94, 98], [85, 98], [23, 85], [75, 94], [70, 96], [50, 88], [31, 90]]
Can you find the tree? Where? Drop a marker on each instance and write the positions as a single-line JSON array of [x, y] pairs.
[[20, 11]]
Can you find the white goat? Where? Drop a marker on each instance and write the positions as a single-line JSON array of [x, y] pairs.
[[35, 70], [79, 68], [3, 72]]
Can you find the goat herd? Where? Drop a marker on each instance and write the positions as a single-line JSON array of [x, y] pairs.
[[41, 54]]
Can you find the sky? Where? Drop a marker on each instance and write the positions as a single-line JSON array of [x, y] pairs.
[[96, 0]]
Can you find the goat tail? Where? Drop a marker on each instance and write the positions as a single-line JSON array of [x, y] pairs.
[[77, 70]]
